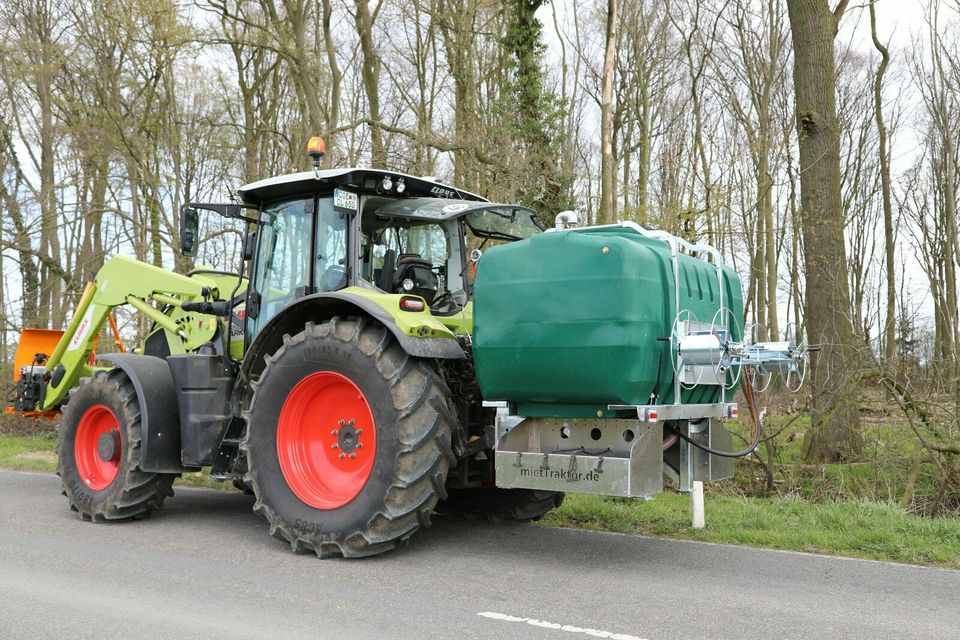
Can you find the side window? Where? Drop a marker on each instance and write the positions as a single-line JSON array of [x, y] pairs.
[[283, 257], [331, 247]]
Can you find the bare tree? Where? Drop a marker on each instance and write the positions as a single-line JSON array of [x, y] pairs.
[[835, 434], [607, 168], [889, 323]]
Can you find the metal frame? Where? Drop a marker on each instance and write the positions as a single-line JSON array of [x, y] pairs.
[[664, 412], [606, 457], [696, 464]]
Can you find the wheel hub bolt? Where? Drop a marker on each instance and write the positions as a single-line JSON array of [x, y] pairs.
[[359, 432], [341, 423], [335, 446], [342, 455], [335, 432], [352, 456]]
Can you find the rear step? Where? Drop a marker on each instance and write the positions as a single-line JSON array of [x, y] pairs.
[[614, 457], [608, 457]]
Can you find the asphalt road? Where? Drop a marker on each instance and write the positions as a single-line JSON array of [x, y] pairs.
[[205, 567]]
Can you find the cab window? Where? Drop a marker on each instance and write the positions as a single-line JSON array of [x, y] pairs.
[[331, 247], [283, 256], [285, 268]]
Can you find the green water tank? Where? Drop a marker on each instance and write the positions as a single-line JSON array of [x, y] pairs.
[[567, 323]]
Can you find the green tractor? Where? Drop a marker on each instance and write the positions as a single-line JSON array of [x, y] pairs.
[[340, 380]]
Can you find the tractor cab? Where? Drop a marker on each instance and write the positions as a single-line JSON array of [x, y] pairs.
[[380, 231], [428, 247]]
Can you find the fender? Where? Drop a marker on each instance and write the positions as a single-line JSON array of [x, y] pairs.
[[317, 307], [320, 307], [159, 412]]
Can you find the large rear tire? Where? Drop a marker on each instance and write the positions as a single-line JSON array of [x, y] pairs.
[[99, 452], [348, 440], [500, 505]]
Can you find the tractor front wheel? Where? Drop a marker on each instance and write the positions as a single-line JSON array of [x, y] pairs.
[[348, 440], [99, 452]]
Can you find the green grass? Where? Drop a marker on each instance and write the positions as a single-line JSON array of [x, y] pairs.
[[28, 453], [856, 528]]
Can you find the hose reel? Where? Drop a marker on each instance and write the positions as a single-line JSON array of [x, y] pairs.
[[707, 354]]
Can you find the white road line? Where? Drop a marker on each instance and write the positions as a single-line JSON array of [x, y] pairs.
[[587, 631]]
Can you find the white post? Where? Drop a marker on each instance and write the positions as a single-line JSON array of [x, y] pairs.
[[696, 505]]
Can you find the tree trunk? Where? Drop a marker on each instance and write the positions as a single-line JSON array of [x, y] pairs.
[[607, 168], [52, 285], [643, 158], [336, 76], [949, 250], [835, 432], [29, 273], [889, 324], [459, 40], [765, 193], [370, 72], [4, 320]]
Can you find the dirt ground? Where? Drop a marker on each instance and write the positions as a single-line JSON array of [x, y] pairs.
[[17, 425]]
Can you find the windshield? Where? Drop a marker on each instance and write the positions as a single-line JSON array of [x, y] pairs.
[[506, 223], [485, 219]]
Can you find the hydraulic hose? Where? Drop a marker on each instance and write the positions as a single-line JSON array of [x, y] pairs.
[[757, 425]]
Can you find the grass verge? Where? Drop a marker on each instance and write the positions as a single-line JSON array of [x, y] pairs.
[[856, 528]]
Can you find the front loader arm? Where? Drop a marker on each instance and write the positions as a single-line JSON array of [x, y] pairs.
[[120, 281]]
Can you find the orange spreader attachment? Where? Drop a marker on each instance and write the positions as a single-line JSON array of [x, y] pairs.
[[44, 341], [32, 342]]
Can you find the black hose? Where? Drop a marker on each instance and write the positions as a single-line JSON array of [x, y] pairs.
[[735, 454]]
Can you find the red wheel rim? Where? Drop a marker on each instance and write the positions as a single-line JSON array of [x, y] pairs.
[[96, 472], [326, 440]]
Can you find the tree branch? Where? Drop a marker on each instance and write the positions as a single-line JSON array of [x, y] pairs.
[[838, 13]]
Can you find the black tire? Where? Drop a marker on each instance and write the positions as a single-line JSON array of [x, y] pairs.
[[132, 493], [413, 420], [242, 487], [500, 505]]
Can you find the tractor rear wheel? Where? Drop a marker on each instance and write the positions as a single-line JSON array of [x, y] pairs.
[[348, 440], [500, 505], [99, 452]]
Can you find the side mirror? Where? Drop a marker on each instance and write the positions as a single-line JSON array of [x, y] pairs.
[[189, 231]]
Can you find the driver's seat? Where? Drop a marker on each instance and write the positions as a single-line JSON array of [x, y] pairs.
[[420, 271]]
